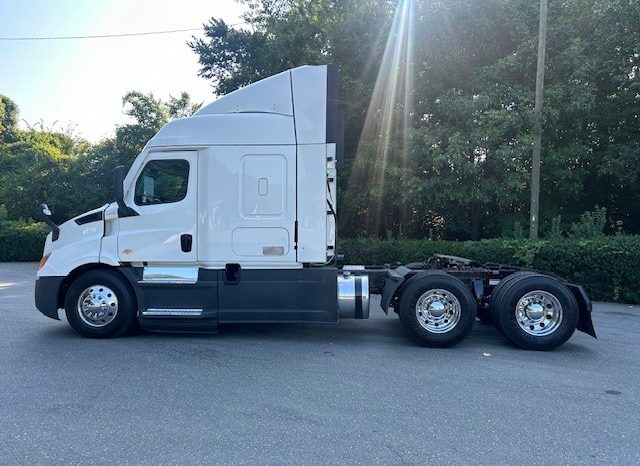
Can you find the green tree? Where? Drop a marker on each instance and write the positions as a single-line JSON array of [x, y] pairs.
[[45, 165], [148, 114], [459, 150], [282, 34], [36, 168], [8, 119]]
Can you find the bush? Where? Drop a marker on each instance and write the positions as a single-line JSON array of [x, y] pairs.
[[555, 232], [590, 225], [608, 267], [21, 241]]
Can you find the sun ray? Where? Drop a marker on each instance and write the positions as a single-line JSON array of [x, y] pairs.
[[388, 114]]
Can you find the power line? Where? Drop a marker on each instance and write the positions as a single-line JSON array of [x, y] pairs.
[[105, 36]]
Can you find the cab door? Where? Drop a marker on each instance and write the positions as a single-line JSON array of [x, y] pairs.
[[164, 193]]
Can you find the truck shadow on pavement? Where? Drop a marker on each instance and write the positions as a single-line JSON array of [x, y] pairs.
[[381, 332]]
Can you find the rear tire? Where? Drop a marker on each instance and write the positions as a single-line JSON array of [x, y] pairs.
[[496, 296], [536, 312], [437, 310], [100, 304]]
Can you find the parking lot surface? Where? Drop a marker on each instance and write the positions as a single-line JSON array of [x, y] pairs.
[[359, 392]]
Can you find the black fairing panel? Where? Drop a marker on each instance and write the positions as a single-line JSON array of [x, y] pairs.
[[288, 295], [200, 295], [318, 295], [259, 296], [332, 123], [299, 295]]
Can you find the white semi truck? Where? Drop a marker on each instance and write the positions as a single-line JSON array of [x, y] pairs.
[[230, 216]]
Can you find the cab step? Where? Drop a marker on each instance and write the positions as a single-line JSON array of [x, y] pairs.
[[179, 320]]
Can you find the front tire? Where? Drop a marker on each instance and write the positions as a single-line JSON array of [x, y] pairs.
[[437, 310], [100, 304]]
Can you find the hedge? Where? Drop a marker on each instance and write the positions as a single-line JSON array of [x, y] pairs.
[[20, 241], [608, 267]]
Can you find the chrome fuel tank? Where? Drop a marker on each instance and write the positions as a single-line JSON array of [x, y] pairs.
[[353, 293]]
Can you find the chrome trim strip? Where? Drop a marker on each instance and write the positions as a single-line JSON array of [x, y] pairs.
[[353, 267], [152, 312], [170, 275]]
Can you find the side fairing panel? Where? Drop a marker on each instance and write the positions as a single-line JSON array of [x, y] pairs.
[[227, 129], [309, 85], [312, 203], [301, 295], [247, 206], [272, 95]]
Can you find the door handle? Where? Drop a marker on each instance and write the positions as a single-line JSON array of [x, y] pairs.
[[186, 242]]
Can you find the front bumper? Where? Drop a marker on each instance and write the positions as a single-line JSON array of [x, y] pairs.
[[47, 293]]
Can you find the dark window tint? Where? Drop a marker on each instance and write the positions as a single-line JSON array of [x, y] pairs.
[[162, 182]]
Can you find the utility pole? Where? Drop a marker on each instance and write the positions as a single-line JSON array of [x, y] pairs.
[[537, 131]]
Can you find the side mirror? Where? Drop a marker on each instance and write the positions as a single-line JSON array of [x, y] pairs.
[[118, 193], [44, 214]]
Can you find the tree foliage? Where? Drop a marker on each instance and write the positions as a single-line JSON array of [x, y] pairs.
[[458, 157], [8, 119], [439, 103], [47, 165]]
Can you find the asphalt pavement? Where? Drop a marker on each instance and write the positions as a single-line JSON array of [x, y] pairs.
[[358, 393]]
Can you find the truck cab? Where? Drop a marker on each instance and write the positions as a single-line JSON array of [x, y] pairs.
[[225, 216], [229, 216]]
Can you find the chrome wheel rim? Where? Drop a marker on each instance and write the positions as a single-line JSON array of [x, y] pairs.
[[539, 313], [438, 311], [97, 305]]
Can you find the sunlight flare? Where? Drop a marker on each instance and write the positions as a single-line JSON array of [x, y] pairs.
[[389, 112]]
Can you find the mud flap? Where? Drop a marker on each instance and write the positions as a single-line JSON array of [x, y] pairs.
[[585, 324]]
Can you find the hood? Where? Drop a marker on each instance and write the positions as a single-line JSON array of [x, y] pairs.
[[87, 225]]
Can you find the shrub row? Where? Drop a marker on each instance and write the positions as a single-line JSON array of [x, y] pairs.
[[608, 267], [20, 241]]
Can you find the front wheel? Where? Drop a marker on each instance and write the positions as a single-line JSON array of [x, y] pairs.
[[99, 304], [437, 310]]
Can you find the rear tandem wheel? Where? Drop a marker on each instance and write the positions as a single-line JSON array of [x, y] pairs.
[[437, 309], [534, 311]]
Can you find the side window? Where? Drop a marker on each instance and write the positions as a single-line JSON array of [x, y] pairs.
[[162, 182]]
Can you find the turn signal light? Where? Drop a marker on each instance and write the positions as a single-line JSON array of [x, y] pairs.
[[43, 261]]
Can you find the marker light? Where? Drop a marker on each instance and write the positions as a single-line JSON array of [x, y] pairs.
[[43, 261]]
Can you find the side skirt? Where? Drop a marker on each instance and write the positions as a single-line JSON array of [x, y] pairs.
[[251, 296]]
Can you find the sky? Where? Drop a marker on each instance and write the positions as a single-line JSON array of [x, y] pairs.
[[79, 84]]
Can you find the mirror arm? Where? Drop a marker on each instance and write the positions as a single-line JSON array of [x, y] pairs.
[[123, 209], [55, 230]]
